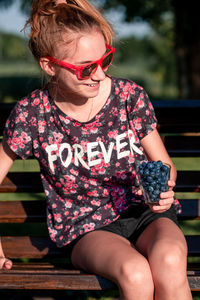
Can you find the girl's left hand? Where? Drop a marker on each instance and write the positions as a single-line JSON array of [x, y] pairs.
[[166, 199]]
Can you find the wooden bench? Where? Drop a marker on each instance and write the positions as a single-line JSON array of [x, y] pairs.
[[38, 263]]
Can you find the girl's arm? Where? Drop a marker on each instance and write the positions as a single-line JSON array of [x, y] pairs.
[[156, 150], [7, 157]]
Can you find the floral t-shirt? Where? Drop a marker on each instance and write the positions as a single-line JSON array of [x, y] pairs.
[[88, 170]]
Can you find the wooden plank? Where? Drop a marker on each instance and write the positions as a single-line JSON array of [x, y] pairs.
[[64, 279], [182, 146], [43, 247], [21, 182], [187, 181], [35, 211], [36, 281], [190, 209], [170, 114], [31, 247], [22, 211]]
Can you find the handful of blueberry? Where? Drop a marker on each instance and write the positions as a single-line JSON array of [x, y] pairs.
[[154, 176]]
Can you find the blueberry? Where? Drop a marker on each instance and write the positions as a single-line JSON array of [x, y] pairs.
[[154, 176]]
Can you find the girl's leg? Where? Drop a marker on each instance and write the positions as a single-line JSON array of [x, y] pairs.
[[113, 257], [164, 245]]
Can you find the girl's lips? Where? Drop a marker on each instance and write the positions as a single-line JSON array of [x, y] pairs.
[[93, 85]]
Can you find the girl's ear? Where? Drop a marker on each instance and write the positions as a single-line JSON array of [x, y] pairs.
[[47, 66]]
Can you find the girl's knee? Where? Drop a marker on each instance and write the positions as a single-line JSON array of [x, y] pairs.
[[135, 275]]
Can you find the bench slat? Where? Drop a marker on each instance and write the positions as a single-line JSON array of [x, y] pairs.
[[53, 278], [182, 146], [36, 281], [170, 115], [35, 211], [43, 247], [187, 181], [22, 211]]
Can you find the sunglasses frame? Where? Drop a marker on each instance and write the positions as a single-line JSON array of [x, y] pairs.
[[79, 69]]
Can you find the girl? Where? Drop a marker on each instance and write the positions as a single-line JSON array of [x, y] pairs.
[[89, 132]]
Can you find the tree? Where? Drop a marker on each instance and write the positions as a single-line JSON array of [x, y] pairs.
[[186, 35], [186, 30]]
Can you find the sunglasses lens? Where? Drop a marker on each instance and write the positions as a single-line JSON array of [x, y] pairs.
[[88, 70], [107, 61]]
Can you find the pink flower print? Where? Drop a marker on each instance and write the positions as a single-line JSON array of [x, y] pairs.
[[117, 91], [150, 105], [58, 218], [102, 171], [105, 192], [42, 109], [54, 205], [123, 115], [36, 101], [41, 126], [74, 172], [112, 134], [35, 144], [96, 203], [96, 217], [93, 129], [93, 193], [13, 147], [68, 203], [58, 137], [66, 213], [24, 102], [107, 206], [85, 130], [85, 209], [131, 159], [88, 227], [121, 84], [140, 103]]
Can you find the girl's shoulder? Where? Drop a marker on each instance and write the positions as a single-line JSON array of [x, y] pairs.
[[126, 84]]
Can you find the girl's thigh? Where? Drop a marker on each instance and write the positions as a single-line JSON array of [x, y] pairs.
[[162, 238], [105, 253]]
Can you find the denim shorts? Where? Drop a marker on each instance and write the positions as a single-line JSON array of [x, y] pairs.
[[133, 222]]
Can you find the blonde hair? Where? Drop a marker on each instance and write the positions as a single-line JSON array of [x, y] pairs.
[[49, 21]]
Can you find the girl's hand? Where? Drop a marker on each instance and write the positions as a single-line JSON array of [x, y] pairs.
[[166, 199], [5, 263]]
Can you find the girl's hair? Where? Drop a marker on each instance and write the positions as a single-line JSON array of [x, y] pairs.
[[49, 21]]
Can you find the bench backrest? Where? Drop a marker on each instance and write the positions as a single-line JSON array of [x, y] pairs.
[[179, 126]]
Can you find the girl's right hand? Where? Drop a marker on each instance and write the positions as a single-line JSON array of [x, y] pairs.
[[5, 264]]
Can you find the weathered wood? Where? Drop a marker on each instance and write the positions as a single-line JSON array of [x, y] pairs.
[[181, 136], [187, 181], [22, 211], [53, 281], [43, 247], [35, 211], [31, 247], [39, 277]]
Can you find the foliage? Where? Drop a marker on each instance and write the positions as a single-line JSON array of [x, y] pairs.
[[13, 47]]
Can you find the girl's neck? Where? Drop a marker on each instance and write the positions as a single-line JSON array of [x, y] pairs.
[[82, 109]]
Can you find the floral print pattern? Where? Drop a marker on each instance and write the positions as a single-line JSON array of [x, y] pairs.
[[88, 170]]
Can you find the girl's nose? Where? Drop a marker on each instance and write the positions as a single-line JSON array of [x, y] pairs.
[[99, 74]]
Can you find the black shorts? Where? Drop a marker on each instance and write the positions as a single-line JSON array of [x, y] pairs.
[[133, 221]]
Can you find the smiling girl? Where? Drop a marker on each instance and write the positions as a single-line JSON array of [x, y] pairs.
[[90, 131]]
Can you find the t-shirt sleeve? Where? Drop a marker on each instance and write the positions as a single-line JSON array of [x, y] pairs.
[[17, 131], [143, 115]]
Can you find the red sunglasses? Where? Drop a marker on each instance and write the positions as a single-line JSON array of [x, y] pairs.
[[87, 70]]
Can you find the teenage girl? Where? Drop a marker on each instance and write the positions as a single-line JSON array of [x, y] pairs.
[[90, 131]]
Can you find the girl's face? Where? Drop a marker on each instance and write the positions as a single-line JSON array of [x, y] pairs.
[[89, 47]]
